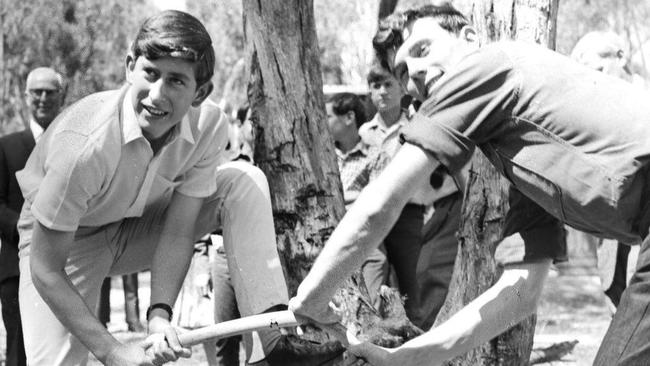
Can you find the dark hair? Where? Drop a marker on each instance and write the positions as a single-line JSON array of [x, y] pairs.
[[342, 103], [173, 33], [389, 36], [378, 73]]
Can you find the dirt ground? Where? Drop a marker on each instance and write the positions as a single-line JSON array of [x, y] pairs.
[[572, 308]]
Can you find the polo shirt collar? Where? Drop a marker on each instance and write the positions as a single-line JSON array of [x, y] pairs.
[[375, 125], [132, 131], [360, 148]]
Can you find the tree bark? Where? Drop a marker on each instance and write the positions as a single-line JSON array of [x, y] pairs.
[[293, 145], [486, 200], [295, 150]]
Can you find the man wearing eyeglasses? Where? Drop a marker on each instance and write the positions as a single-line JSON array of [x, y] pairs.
[[44, 94]]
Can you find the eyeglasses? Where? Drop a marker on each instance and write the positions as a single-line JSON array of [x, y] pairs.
[[46, 93]]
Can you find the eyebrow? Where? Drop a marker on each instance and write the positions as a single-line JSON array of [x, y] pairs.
[[180, 75]]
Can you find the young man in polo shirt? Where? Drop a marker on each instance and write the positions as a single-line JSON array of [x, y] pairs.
[[574, 141], [129, 179]]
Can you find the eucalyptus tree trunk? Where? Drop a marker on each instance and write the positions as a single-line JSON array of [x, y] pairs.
[[486, 199], [293, 145], [295, 150]]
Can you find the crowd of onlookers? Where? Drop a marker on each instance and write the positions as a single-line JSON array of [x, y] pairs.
[[416, 257]]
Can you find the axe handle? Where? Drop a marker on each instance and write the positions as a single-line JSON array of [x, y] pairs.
[[278, 319]]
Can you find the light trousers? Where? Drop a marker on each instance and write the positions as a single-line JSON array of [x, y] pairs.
[[241, 208]]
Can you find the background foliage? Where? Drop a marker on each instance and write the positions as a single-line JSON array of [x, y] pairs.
[[86, 40]]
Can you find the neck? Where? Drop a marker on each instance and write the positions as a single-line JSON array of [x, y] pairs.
[[157, 143], [390, 116], [348, 142]]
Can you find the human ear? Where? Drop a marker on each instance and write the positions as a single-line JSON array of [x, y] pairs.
[[202, 93], [468, 34], [621, 59], [351, 118], [129, 65]]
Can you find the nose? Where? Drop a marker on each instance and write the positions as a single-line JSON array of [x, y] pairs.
[[416, 68], [157, 89]]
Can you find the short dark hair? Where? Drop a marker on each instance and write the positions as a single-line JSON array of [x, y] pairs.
[[342, 103], [177, 34], [389, 34], [378, 73]]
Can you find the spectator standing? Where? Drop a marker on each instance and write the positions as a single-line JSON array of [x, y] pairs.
[[44, 95], [355, 158], [131, 303]]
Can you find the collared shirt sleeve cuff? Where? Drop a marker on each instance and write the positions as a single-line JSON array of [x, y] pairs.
[[448, 146], [50, 223]]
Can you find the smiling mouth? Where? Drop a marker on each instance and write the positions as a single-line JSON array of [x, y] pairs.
[[432, 82], [154, 111]]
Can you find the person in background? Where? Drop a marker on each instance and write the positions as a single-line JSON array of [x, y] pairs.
[[345, 116], [45, 91], [131, 303], [605, 52]]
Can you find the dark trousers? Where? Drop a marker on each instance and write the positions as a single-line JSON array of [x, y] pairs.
[[626, 341], [15, 355], [131, 301], [619, 281], [403, 244]]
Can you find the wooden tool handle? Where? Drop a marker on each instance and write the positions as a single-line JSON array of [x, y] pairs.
[[278, 319]]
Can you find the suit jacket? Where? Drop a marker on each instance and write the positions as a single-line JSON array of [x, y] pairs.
[[14, 151]]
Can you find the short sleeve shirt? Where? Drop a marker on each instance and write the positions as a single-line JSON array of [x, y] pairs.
[[93, 166], [574, 141], [355, 168]]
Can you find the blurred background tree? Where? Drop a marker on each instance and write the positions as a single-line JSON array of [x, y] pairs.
[[87, 39], [84, 40]]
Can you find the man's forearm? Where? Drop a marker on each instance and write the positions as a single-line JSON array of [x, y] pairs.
[[169, 267], [174, 251], [367, 222], [47, 262], [505, 304], [361, 230], [66, 303]]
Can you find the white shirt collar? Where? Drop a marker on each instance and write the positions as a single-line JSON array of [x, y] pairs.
[[131, 129], [37, 130]]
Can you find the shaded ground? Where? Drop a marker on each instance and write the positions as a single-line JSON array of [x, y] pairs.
[[572, 308]]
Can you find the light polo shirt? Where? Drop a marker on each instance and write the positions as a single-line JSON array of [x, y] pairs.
[[374, 133], [94, 167]]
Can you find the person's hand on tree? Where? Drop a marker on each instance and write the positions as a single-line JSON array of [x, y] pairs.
[[162, 344]]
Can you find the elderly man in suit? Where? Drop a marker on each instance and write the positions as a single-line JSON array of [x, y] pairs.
[[45, 93]]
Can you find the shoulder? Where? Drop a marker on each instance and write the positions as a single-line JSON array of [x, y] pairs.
[[207, 120], [89, 113], [14, 141]]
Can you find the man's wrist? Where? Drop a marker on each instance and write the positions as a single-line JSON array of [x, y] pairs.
[[160, 310]]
